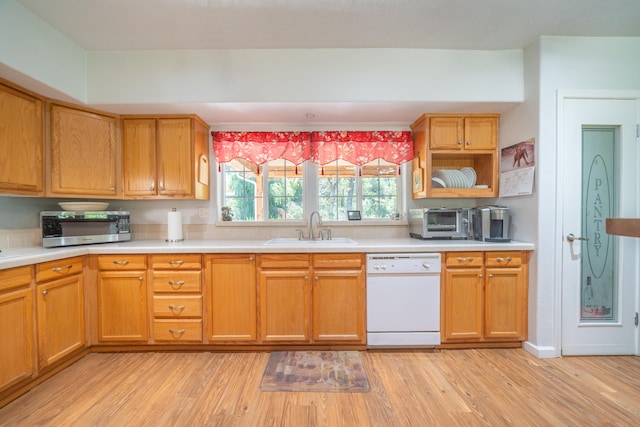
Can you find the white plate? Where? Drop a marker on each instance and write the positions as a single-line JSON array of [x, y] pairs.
[[437, 182], [83, 206], [471, 175], [442, 174]]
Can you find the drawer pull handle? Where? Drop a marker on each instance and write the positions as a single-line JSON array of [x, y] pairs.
[[465, 259], [178, 283], [176, 307], [179, 262], [121, 262], [67, 267], [177, 331], [504, 259]]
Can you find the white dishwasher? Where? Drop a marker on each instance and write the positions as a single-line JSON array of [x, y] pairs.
[[403, 300]]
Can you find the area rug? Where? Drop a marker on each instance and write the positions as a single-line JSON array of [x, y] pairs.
[[315, 371]]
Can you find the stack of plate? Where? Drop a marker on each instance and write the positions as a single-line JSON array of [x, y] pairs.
[[453, 178]]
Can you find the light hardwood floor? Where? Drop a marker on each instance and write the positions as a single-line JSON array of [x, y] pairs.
[[484, 387]]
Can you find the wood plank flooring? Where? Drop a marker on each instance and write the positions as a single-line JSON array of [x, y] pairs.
[[482, 387]]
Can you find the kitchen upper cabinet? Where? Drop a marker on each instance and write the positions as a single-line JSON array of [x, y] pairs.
[[21, 141], [16, 314], [165, 157], [339, 298], [231, 298], [285, 298], [448, 141], [60, 309], [484, 297], [84, 153], [122, 299]]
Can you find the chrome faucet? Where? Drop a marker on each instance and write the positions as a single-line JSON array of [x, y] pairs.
[[316, 213]]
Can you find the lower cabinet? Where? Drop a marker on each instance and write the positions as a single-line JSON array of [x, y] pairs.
[[177, 298], [317, 298], [339, 298], [285, 298], [16, 310], [122, 299], [59, 309], [484, 297], [231, 298]]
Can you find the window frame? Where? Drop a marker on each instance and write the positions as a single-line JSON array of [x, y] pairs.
[[310, 201]]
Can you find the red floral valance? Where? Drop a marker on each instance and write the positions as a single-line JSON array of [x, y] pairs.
[[356, 147], [359, 148], [262, 147]]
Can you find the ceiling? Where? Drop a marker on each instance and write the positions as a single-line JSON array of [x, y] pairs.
[[278, 24]]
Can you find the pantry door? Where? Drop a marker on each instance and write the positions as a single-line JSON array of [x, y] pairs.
[[597, 165]]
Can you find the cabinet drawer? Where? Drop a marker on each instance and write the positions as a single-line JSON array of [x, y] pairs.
[[464, 259], [339, 261], [57, 269], [122, 262], [177, 330], [177, 281], [504, 259], [177, 306], [15, 278], [287, 261], [176, 261]]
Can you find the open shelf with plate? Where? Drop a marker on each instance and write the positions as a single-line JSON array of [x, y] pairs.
[[474, 148]]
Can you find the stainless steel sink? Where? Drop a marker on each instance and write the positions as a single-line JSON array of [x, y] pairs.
[[294, 241]]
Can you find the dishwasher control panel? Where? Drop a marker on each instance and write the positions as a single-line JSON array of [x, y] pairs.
[[419, 263]]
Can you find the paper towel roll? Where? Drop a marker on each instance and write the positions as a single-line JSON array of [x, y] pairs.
[[174, 227]]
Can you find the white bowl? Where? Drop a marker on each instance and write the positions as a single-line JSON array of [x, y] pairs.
[[83, 206]]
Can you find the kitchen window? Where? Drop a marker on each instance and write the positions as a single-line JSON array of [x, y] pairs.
[[283, 176]]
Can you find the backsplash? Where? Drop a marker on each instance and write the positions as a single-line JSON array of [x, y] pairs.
[[25, 238]]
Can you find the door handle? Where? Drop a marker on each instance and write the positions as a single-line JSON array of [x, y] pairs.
[[571, 237]]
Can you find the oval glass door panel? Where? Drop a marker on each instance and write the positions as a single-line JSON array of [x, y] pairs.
[[598, 282]]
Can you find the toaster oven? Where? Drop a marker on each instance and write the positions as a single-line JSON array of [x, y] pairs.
[[439, 223], [69, 228]]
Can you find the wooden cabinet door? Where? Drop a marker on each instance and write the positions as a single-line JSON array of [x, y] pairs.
[[446, 133], [505, 304], [122, 306], [463, 304], [60, 314], [338, 306], [480, 133], [285, 305], [175, 157], [139, 157], [85, 156], [16, 351], [21, 143], [231, 298]]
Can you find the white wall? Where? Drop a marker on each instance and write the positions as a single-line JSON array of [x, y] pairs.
[[305, 75], [32, 53]]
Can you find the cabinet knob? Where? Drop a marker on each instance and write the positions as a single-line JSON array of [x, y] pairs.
[[490, 276], [468, 142], [306, 277], [113, 188], [140, 278], [459, 142], [251, 258], [481, 276], [45, 292]]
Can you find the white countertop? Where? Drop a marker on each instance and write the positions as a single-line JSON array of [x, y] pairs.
[[25, 256]]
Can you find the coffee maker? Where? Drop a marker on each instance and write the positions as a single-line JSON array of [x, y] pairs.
[[491, 223]]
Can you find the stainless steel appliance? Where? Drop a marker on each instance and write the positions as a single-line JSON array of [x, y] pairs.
[[403, 300], [69, 228], [491, 223], [439, 223]]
